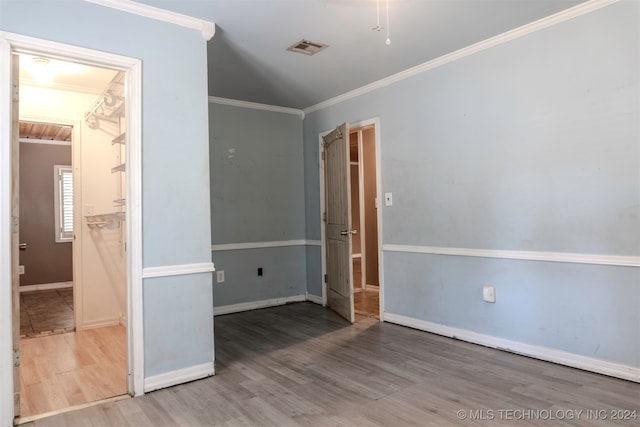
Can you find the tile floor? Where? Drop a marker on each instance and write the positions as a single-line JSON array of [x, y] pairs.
[[46, 312]]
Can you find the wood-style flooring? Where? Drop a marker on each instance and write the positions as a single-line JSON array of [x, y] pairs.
[[366, 301], [302, 365], [46, 312], [63, 370]]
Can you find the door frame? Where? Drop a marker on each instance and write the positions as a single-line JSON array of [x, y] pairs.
[[10, 43], [375, 122]]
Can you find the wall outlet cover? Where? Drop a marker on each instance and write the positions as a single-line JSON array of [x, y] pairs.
[[220, 276]]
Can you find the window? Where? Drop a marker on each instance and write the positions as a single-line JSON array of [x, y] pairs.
[[63, 199]]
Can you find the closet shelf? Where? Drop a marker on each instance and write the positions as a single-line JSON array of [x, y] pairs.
[[119, 168], [110, 105], [110, 220], [120, 139]]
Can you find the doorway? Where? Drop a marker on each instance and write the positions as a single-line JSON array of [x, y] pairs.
[[359, 181], [10, 44], [46, 229], [364, 219], [66, 361]]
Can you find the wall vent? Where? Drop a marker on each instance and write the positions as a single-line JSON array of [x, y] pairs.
[[307, 47]]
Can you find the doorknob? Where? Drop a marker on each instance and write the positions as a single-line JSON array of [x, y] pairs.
[[22, 246], [347, 232]]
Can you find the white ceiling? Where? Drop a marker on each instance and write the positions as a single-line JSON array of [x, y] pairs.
[[67, 76], [248, 59]]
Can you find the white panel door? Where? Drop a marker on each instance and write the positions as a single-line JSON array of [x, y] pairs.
[[338, 222]]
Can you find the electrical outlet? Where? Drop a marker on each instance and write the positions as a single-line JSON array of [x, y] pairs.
[[388, 199], [489, 293], [220, 276], [21, 269]]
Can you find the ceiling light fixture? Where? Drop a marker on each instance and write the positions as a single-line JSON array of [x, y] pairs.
[[40, 69], [378, 27]]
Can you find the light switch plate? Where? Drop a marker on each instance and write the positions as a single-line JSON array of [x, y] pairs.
[[489, 293], [220, 276], [21, 269]]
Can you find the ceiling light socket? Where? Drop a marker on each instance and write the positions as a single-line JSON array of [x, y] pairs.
[[40, 61]]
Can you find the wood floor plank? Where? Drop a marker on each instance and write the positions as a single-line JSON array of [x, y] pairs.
[[302, 365], [63, 370]]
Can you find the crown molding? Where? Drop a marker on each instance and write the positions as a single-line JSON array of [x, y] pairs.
[[255, 106], [207, 28], [557, 18]]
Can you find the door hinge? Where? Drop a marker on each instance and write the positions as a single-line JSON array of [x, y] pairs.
[[15, 93], [15, 224], [326, 278], [324, 216], [322, 154], [16, 358]]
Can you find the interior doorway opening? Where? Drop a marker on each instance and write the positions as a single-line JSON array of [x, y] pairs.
[[364, 219], [46, 229], [67, 361]]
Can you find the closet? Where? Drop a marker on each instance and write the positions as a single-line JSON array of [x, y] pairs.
[[102, 266], [108, 115]]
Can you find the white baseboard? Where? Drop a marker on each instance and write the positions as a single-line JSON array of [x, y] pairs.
[[599, 366], [253, 305], [314, 298], [46, 286], [93, 324], [178, 376]]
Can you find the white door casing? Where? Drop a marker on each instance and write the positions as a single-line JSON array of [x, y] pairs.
[[15, 229]]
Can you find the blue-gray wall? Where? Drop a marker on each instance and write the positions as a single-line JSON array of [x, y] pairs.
[[178, 331], [257, 196], [532, 145]]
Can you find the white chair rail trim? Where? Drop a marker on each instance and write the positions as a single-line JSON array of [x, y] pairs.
[[177, 270], [576, 258], [259, 245]]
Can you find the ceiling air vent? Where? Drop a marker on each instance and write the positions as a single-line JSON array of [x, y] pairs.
[[307, 47]]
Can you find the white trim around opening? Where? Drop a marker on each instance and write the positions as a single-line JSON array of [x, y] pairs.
[[10, 42]]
